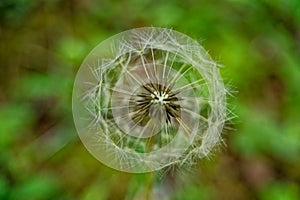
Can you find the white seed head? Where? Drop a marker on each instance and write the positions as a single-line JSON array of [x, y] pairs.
[[148, 98]]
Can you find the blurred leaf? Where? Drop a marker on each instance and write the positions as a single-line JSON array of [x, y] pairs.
[[167, 14], [36, 187], [281, 191], [42, 86], [258, 134], [15, 119], [4, 189], [72, 49], [14, 10], [97, 190], [193, 192]]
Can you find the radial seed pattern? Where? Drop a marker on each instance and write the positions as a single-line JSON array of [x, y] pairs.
[[148, 98]]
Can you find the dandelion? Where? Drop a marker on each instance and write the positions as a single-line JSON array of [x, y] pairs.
[[149, 98]]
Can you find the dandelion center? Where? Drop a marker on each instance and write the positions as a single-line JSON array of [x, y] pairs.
[[155, 102], [160, 98]]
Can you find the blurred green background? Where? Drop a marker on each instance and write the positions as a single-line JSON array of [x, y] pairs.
[[42, 44]]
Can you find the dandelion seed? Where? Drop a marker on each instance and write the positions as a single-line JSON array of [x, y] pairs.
[[155, 98]]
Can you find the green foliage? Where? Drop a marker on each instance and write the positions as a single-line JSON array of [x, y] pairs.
[[280, 191], [15, 120], [261, 135], [193, 192], [37, 187], [4, 188]]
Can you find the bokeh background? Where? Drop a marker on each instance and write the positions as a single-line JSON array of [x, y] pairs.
[[42, 44]]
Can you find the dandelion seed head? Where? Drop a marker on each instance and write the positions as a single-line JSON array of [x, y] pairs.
[[149, 98]]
